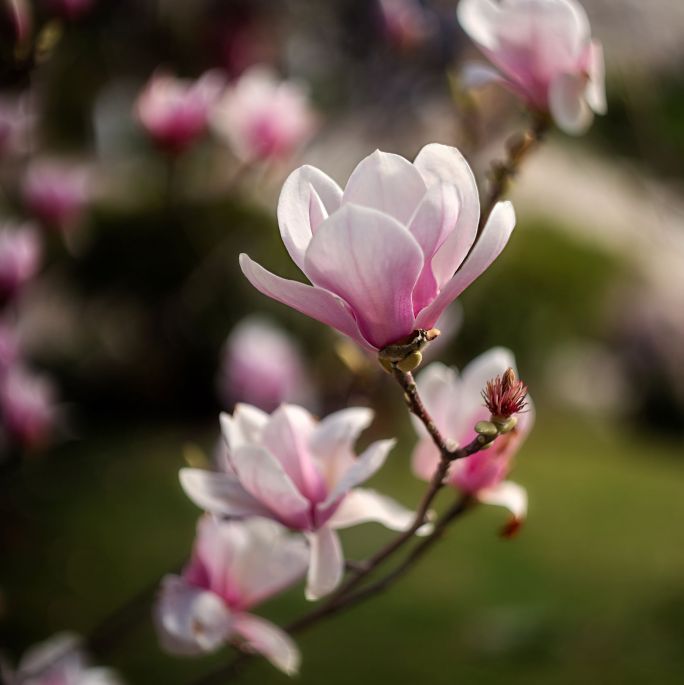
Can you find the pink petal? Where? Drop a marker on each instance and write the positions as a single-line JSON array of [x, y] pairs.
[[219, 493], [480, 20], [265, 478], [509, 495], [286, 436], [295, 203], [326, 567], [388, 183], [266, 638], [317, 303], [444, 164], [425, 459], [363, 506], [490, 245], [440, 389], [372, 262]]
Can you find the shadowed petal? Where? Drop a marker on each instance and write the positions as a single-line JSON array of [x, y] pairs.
[[568, 104], [492, 241], [372, 262], [509, 495], [362, 506]]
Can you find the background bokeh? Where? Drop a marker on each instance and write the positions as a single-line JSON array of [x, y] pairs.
[[131, 310]]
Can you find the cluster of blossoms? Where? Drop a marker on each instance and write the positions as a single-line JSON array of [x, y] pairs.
[[259, 116]]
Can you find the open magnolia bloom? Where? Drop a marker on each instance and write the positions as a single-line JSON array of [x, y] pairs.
[[542, 50], [455, 403], [302, 473], [58, 661], [235, 565], [387, 255]]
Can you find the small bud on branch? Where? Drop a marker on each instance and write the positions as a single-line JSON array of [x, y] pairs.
[[505, 396]]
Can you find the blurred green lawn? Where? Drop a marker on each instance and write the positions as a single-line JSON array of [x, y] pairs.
[[591, 591]]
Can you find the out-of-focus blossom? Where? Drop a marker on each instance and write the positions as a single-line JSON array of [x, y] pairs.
[[235, 565], [406, 22], [262, 365], [56, 193], [175, 112], [20, 252], [15, 17], [387, 255], [543, 51], [70, 10], [264, 118], [303, 474], [16, 122], [58, 661], [9, 348], [456, 405], [28, 406]]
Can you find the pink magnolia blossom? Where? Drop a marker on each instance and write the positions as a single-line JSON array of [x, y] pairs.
[[69, 9], [262, 117], [391, 252], [407, 23], [56, 192], [58, 661], [302, 473], [20, 253], [235, 565], [542, 50], [262, 365], [27, 404], [456, 405], [175, 112]]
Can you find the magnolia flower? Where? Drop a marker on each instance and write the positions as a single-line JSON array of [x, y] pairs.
[[456, 405], [58, 661], [303, 474], [69, 9], [20, 251], [542, 50], [235, 565], [406, 22], [387, 255], [262, 365], [56, 193], [175, 112], [27, 404], [262, 117]]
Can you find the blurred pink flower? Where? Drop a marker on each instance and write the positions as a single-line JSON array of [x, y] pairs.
[[20, 253], [58, 661], [262, 117], [303, 474], [69, 9], [235, 565], [262, 365], [387, 256], [456, 405], [406, 22], [542, 50], [28, 406], [175, 112], [56, 192]]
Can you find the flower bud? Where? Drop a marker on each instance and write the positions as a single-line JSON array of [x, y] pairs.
[[505, 396]]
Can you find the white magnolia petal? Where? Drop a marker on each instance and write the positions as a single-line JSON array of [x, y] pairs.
[[264, 477], [509, 495], [326, 567], [266, 638], [480, 20], [568, 104], [440, 389], [244, 426], [368, 463], [388, 183], [595, 92], [362, 506], [295, 203], [190, 620], [219, 493]]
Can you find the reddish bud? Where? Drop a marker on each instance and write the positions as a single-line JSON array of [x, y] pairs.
[[505, 395]]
